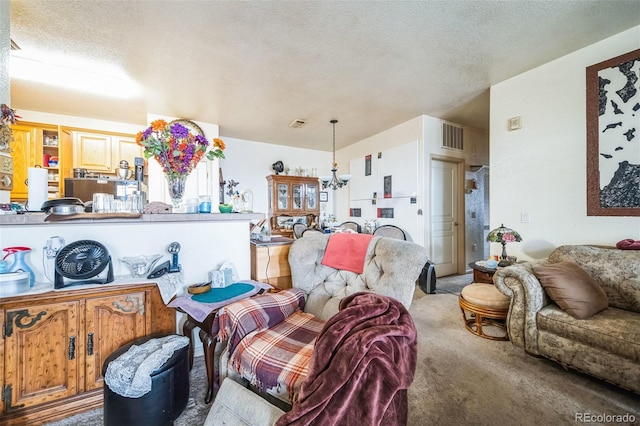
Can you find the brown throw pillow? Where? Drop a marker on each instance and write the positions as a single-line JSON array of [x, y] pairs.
[[573, 290]]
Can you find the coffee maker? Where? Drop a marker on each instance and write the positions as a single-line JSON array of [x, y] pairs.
[[138, 163], [138, 174]]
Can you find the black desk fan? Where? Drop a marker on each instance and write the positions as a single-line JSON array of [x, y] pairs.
[[82, 261]]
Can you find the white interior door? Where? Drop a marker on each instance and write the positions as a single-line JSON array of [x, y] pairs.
[[444, 216]]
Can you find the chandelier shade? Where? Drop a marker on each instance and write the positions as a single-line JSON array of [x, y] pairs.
[[334, 181]]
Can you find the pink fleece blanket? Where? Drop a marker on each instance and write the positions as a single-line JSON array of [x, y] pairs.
[[628, 244], [363, 363], [347, 251]]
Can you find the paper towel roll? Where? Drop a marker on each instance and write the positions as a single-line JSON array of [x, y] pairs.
[[37, 186]]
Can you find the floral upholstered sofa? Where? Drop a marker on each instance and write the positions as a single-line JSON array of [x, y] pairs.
[[597, 335]]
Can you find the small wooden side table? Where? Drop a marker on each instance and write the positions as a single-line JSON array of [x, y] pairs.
[[208, 345], [270, 261], [482, 274]]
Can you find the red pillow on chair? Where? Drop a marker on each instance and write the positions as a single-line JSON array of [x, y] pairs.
[[347, 251]]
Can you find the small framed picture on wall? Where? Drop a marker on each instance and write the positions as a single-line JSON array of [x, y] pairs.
[[324, 196]]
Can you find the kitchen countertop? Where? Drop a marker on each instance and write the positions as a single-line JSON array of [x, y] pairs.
[[39, 218]]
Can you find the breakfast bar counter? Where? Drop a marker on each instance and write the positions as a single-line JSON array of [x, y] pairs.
[[206, 240], [41, 218]]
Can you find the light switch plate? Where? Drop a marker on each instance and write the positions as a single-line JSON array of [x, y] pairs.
[[514, 123]]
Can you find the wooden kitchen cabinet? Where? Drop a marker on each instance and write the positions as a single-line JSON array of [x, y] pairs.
[[102, 152], [55, 345], [30, 145], [23, 153], [292, 199], [92, 151], [126, 148]]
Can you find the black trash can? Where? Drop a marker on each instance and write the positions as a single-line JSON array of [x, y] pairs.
[[164, 403]]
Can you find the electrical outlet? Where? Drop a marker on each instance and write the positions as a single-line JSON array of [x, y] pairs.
[[474, 247], [53, 247], [525, 217]]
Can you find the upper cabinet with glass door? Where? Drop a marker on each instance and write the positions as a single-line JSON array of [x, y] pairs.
[[312, 196], [282, 196]]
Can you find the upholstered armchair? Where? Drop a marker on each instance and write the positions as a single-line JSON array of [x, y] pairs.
[[388, 267], [363, 362]]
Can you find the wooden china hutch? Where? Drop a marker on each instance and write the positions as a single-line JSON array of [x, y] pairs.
[[292, 199]]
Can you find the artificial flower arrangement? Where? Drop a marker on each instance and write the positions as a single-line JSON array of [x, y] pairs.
[[175, 148], [7, 118]]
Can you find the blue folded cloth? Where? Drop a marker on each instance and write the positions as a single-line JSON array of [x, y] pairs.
[[219, 294]]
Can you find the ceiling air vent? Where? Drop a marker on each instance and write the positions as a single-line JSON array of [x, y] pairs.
[[14, 46], [297, 123], [452, 137]]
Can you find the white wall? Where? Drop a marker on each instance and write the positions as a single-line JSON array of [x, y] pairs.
[[401, 134], [541, 168], [5, 87], [428, 132], [250, 162], [204, 244]]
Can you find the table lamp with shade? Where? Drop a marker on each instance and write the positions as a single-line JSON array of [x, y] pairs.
[[503, 235]]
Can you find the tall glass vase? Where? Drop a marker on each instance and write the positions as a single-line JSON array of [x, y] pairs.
[[176, 184]]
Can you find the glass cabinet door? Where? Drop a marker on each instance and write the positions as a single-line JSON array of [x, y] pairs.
[[312, 196], [298, 196], [283, 196]]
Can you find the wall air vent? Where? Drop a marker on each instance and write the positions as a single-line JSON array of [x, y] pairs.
[[14, 46], [297, 123], [452, 137]]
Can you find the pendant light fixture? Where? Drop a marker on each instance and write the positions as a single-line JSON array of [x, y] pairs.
[[334, 182]]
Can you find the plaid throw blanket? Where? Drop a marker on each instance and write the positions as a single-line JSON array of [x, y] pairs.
[[279, 355], [238, 319]]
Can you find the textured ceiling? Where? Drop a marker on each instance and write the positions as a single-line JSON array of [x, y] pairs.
[[253, 67]]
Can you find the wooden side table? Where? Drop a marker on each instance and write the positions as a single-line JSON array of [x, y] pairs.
[[208, 345], [270, 261], [482, 274]]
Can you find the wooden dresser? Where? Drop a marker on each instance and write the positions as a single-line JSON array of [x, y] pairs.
[[56, 342]]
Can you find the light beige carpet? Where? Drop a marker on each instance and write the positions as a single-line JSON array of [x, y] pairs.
[[462, 379]]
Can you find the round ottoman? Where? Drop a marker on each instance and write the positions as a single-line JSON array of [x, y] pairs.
[[483, 305], [164, 403]]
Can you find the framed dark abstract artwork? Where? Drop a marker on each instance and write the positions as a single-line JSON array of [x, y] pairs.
[[387, 187], [613, 136], [386, 213]]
